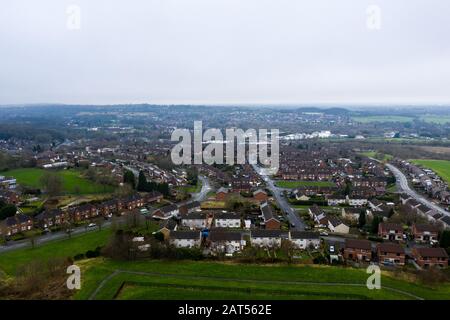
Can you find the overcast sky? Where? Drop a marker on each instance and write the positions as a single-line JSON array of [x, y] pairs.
[[224, 51]]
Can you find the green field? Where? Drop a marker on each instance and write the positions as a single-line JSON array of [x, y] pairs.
[[191, 188], [436, 119], [156, 279], [72, 180], [386, 118], [441, 167], [372, 154], [10, 261], [296, 184], [159, 279]]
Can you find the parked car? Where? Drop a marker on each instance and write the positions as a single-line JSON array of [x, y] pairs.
[[91, 225]]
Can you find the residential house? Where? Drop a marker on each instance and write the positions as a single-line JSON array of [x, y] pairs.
[[185, 239], [390, 231], [424, 233], [166, 227], [195, 220], [391, 253], [82, 212], [356, 202], [270, 221], [357, 250], [227, 220], [336, 200], [260, 195], [430, 257], [16, 224], [153, 196], [226, 242], [351, 213], [50, 218], [319, 216], [222, 194], [166, 212], [266, 238], [189, 207], [304, 239], [9, 196], [337, 226]]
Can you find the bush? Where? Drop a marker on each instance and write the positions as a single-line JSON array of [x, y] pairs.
[[376, 239], [79, 256], [93, 253]]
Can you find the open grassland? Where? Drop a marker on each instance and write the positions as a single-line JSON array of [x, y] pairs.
[[69, 247], [73, 181], [441, 167], [296, 184], [385, 118], [442, 119], [156, 279]]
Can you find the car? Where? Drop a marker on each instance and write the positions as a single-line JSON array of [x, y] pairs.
[[323, 233], [331, 249], [91, 225], [292, 225]]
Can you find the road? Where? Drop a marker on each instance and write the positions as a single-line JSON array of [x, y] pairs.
[[284, 205], [51, 236], [206, 187], [402, 183], [60, 235]]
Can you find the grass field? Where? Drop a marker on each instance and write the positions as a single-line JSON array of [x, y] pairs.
[[213, 205], [10, 261], [159, 279], [72, 180], [436, 119], [386, 118], [441, 167], [296, 184], [372, 154], [191, 188], [156, 279]]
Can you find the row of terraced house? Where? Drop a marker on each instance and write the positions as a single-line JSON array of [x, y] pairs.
[[20, 223]]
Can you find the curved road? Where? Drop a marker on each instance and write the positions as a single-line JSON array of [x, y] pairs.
[[402, 183], [206, 187]]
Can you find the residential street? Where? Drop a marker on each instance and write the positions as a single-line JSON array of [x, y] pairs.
[[51, 236], [402, 183], [206, 187], [284, 205]]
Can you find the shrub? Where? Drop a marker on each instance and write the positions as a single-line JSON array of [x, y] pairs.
[[79, 256]]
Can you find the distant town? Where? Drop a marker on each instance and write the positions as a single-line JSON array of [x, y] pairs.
[[95, 185]]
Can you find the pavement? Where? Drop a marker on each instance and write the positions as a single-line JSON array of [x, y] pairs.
[[283, 203], [402, 184]]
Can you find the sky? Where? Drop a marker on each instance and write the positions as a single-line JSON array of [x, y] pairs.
[[225, 51]]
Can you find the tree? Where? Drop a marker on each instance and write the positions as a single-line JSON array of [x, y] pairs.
[[142, 182], [444, 239], [348, 188], [375, 222], [128, 178], [192, 176], [8, 210], [52, 183], [67, 227], [362, 219]]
